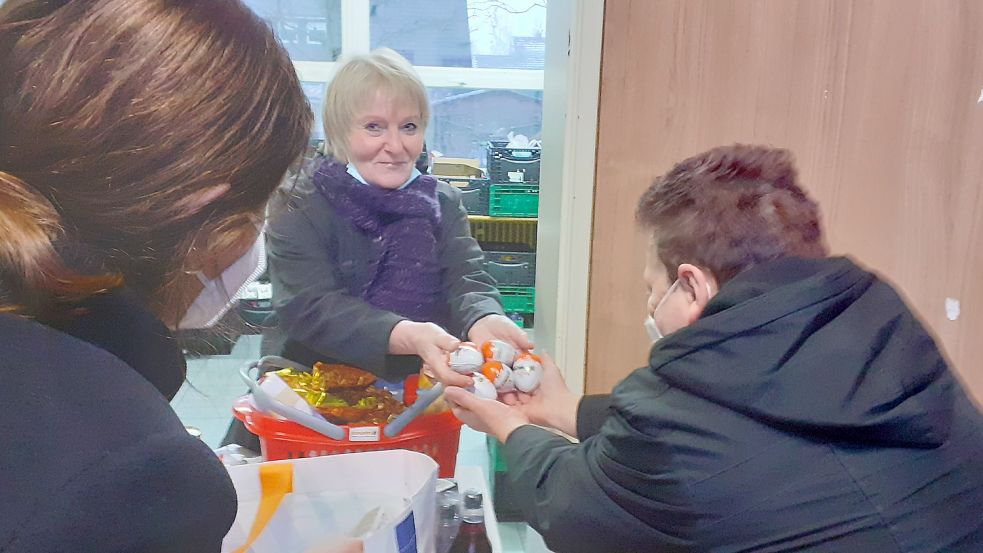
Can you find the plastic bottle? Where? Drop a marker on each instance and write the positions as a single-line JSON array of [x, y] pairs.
[[449, 523]]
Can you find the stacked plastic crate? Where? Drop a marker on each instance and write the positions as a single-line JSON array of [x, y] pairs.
[[503, 205], [513, 194]]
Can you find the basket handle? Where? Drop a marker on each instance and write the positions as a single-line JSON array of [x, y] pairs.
[[267, 403], [423, 400], [270, 362]]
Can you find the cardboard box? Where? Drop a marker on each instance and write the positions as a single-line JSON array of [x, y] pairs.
[[457, 167]]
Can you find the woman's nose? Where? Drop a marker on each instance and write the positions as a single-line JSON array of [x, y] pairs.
[[393, 141]]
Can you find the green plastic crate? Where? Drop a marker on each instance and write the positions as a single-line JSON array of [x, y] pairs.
[[518, 299], [513, 200]]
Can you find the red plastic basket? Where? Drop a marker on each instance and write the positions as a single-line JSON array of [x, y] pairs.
[[435, 435]]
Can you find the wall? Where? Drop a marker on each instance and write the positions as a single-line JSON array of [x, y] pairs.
[[879, 100], [570, 103]]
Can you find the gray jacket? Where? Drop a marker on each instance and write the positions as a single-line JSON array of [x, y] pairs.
[[317, 258]]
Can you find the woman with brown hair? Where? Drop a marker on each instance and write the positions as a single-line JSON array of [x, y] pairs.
[[139, 143], [792, 401]]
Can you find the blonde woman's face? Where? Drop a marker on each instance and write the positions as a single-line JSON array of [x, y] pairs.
[[385, 141]]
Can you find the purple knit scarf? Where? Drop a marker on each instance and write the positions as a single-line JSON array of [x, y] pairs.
[[406, 277]]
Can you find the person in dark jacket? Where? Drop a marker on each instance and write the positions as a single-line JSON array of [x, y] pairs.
[[792, 401], [131, 189], [375, 266]]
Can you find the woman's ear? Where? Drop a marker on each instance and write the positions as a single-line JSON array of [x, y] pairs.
[[700, 286]]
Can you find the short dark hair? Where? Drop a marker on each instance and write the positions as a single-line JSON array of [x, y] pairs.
[[731, 208]]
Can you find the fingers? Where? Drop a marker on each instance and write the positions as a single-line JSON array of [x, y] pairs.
[[447, 342], [428, 371], [521, 339], [436, 361], [460, 398], [509, 398], [434, 349]]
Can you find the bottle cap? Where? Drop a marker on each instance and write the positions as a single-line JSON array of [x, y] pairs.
[[472, 499]]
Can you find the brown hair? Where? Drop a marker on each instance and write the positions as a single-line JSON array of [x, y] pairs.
[[114, 116], [729, 209]]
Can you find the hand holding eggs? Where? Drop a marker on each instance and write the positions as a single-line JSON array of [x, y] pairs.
[[497, 368]]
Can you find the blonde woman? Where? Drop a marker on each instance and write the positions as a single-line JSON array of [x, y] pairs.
[[376, 266]]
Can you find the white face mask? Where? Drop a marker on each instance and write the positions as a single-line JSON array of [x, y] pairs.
[[220, 294], [653, 330], [650, 327]]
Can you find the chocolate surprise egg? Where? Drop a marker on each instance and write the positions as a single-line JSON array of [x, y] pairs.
[[466, 359], [497, 350]]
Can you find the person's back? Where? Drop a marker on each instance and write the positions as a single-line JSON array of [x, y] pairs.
[[140, 141], [93, 457], [792, 402], [738, 405]]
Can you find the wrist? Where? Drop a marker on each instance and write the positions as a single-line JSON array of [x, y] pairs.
[[400, 338], [503, 430], [564, 416]]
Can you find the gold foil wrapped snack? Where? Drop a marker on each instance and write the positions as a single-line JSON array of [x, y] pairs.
[[343, 394]]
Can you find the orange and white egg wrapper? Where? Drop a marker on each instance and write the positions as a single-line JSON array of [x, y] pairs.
[[497, 350], [497, 372], [483, 387], [466, 359], [527, 372]]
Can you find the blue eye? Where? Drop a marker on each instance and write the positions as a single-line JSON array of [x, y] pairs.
[[373, 127]]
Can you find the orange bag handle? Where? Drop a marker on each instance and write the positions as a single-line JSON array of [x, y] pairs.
[[276, 480]]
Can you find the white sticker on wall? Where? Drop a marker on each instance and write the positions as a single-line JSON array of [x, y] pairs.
[[980, 100], [952, 308]]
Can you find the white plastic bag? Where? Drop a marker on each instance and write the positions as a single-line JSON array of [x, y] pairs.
[[376, 502]]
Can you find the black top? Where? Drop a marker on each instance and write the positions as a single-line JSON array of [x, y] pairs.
[[317, 257], [93, 458], [806, 410]]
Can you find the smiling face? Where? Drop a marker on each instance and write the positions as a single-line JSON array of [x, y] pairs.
[[385, 140]]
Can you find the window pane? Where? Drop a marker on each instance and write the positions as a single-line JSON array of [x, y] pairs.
[[309, 29], [463, 120], [505, 34], [315, 95]]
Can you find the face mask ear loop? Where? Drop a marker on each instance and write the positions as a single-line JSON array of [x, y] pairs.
[[217, 286]]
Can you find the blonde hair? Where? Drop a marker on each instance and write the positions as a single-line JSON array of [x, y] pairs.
[[361, 78]]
